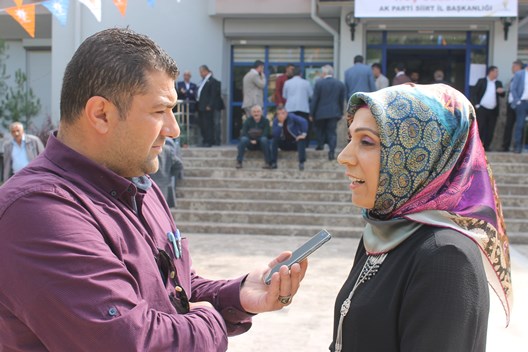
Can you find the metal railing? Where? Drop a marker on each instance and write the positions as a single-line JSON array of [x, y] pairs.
[[183, 113]]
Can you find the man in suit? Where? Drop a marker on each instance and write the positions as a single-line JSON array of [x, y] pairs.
[[400, 77], [486, 101], [327, 109], [208, 102], [359, 78], [253, 87], [510, 112], [520, 105], [19, 150], [187, 90]]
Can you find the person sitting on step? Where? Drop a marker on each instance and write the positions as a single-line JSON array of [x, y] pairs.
[[289, 132], [254, 136]]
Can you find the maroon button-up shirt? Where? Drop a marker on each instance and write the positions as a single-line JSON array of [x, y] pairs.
[[78, 269]]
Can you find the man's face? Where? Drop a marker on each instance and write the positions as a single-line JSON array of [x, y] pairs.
[[260, 69], [137, 140], [203, 73], [187, 77], [494, 74], [17, 132], [516, 67], [289, 71], [257, 114], [376, 72], [281, 115]]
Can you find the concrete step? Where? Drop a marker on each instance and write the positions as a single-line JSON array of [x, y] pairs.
[[297, 207], [278, 174], [262, 194], [316, 207], [518, 200], [284, 174], [230, 151], [266, 229], [276, 218], [321, 164], [262, 183]]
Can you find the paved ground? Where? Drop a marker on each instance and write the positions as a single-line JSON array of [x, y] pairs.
[[306, 325]]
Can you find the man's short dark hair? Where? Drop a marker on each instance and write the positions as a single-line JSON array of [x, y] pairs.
[[205, 68], [376, 65], [113, 64], [258, 63], [358, 58], [296, 71], [491, 68], [519, 62]]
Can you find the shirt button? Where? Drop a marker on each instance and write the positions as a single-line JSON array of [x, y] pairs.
[[112, 311], [113, 193]]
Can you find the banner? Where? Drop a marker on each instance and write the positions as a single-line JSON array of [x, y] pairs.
[[121, 5], [19, 2], [435, 8], [25, 16], [59, 9], [94, 6]]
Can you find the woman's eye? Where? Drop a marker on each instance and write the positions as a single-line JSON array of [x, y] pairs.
[[367, 141]]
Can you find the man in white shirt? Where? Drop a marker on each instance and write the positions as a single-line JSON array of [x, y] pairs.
[[381, 80], [297, 92], [485, 98], [19, 150]]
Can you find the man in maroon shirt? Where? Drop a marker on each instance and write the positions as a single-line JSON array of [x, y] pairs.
[[91, 258], [279, 85]]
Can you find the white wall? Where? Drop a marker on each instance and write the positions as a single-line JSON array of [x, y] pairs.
[[348, 48], [184, 29]]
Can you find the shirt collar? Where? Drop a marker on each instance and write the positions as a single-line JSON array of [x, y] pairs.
[[76, 165]]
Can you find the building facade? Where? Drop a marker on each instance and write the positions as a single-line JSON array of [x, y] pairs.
[[229, 35]]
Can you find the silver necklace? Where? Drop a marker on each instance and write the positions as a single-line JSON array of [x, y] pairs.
[[370, 268]]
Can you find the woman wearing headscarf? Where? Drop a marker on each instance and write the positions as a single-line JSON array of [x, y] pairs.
[[435, 233]]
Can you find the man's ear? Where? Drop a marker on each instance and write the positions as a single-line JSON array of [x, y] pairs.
[[99, 111]]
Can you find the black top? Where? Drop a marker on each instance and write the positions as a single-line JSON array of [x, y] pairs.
[[430, 294]]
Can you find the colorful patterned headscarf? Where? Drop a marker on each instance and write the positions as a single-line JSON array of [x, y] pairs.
[[434, 170]]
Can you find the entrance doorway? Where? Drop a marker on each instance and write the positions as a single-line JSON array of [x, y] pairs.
[[426, 61]]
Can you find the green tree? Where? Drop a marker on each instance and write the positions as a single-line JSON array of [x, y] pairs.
[[3, 76], [20, 103]]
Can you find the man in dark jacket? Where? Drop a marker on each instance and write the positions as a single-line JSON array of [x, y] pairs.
[[327, 109], [208, 101], [485, 98], [254, 136], [288, 133]]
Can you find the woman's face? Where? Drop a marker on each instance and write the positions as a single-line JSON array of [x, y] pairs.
[[361, 157]]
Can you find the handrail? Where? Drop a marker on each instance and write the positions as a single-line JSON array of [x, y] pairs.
[[182, 116]]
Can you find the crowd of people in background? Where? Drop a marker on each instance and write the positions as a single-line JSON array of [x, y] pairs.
[[319, 105]]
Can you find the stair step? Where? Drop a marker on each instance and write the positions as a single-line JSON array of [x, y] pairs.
[[267, 229], [261, 183], [258, 194], [230, 151], [268, 206], [277, 218], [321, 164]]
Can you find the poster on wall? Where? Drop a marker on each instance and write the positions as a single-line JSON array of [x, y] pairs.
[[435, 8]]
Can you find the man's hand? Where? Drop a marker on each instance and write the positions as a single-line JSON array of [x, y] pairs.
[[253, 141], [302, 136], [200, 304], [257, 297]]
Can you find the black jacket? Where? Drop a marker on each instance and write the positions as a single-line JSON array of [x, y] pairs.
[[480, 89], [210, 96]]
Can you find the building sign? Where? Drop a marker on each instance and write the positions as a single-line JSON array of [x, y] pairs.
[[435, 8]]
